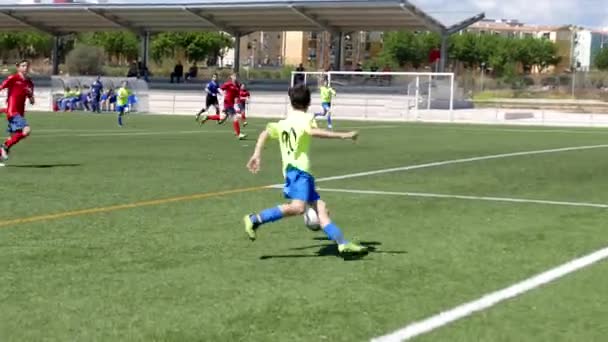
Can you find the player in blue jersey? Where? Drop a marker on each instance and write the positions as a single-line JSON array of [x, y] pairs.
[[96, 90], [294, 134], [213, 90]]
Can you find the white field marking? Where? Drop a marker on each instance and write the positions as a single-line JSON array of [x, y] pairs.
[[109, 133], [467, 197], [86, 130], [446, 317], [459, 161], [128, 134], [516, 130]]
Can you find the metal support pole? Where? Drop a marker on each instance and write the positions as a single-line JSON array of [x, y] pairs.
[[145, 49], [55, 55], [444, 52], [338, 51], [237, 52]]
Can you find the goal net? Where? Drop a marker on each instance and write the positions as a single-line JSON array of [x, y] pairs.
[[139, 101], [385, 95]]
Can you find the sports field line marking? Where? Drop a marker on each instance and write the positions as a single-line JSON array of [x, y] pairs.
[[128, 134], [467, 197], [128, 206], [446, 317], [515, 130], [140, 132], [459, 161], [324, 179]]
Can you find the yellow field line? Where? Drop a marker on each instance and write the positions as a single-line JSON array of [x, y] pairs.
[[127, 206]]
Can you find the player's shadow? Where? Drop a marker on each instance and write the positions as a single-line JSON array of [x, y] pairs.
[[45, 166], [331, 250]]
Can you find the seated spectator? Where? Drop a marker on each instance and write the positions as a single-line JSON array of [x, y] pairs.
[[299, 78], [193, 72], [108, 100], [132, 70], [178, 73]]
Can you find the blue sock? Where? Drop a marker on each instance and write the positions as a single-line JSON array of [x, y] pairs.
[[329, 119], [267, 216], [334, 233], [120, 119]]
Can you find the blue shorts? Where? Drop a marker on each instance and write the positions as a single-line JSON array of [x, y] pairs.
[[121, 108], [300, 185], [230, 111], [326, 105], [16, 123]]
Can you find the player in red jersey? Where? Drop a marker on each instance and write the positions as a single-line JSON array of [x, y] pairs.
[[20, 88], [243, 99], [230, 91]]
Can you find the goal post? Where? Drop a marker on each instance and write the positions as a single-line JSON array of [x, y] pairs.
[[410, 96]]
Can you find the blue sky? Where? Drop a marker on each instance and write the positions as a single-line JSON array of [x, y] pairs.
[[589, 13]]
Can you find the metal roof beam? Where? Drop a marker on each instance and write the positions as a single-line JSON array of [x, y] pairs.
[[312, 19], [429, 22], [208, 19], [465, 23], [29, 23], [109, 18]]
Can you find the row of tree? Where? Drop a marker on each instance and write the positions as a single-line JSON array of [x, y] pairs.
[[120, 47], [499, 53]]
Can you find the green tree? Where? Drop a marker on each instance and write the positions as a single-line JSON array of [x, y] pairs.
[[117, 45], [85, 60], [408, 48], [532, 52], [26, 44], [601, 59], [197, 46]]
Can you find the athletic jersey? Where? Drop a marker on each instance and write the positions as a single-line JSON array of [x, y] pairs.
[[212, 89], [122, 96], [294, 138], [19, 89], [326, 94], [70, 94], [96, 87], [231, 93], [243, 95]]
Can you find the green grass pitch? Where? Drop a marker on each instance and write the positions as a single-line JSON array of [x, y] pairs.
[[185, 270]]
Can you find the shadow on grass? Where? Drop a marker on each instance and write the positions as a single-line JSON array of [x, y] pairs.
[[331, 250], [44, 166]]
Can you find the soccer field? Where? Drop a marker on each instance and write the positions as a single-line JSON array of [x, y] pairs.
[[135, 234]]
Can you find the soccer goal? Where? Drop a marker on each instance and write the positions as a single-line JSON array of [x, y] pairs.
[[365, 95]]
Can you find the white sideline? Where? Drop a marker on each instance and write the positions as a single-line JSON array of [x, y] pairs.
[[458, 161], [113, 133], [445, 317], [467, 197]]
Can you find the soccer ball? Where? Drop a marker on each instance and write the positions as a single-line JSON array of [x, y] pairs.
[[311, 219]]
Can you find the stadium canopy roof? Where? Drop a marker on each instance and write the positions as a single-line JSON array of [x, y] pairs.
[[235, 17]]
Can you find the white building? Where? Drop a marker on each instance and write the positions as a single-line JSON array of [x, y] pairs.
[[582, 50]]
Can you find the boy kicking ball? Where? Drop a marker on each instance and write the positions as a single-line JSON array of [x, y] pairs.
[[295, 134]]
